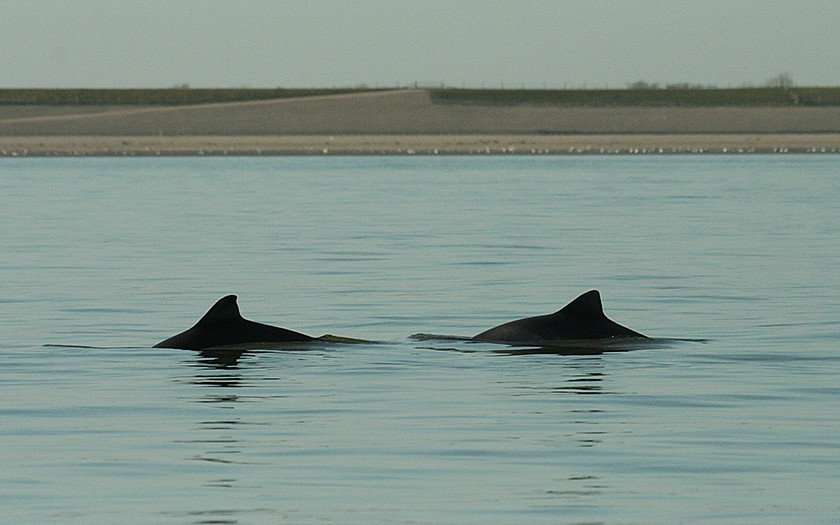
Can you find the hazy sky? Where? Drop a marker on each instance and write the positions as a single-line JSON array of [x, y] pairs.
[[469, 43]]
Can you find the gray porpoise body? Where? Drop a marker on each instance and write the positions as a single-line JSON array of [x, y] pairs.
[[223, 325], [582, 319]]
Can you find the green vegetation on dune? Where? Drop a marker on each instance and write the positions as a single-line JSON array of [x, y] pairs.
[[698, 97], [671, 96], [154, 97]]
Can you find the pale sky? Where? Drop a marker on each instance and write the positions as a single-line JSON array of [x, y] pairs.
[[384, 43]]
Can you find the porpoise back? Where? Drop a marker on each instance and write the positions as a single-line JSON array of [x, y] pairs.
[[223, 325], [582, 319]]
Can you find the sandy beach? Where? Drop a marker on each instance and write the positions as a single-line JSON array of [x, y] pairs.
[[408, 122], [418, 145]]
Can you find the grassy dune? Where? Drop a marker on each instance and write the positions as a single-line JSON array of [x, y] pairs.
[[688, 97], [671, 97], [154, 97]]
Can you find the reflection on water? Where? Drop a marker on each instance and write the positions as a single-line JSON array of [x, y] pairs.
[[589, 383], [582, 347], [219, 358]]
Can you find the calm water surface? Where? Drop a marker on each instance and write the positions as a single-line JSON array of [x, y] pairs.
[[118, 254]]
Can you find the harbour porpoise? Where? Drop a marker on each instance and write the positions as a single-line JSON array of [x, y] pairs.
[[582, 319], [223, 326]]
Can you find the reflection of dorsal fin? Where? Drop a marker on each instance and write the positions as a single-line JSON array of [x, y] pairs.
[[225, 309], [586, 305]]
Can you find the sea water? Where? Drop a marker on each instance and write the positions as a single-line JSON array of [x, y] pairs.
[[105, 257]]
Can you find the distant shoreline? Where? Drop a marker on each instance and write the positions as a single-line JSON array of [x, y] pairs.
[[410, 122], [459, 144]]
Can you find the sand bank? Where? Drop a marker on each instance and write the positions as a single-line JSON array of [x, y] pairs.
[[406, 112], [418, 144], [409, 122]]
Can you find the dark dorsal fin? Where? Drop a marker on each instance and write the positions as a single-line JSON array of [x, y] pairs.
[[586, 305], [225, 309], [223, 325]]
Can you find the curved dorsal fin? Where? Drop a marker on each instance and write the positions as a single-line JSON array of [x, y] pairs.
[[225, 309], [588, 304]]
